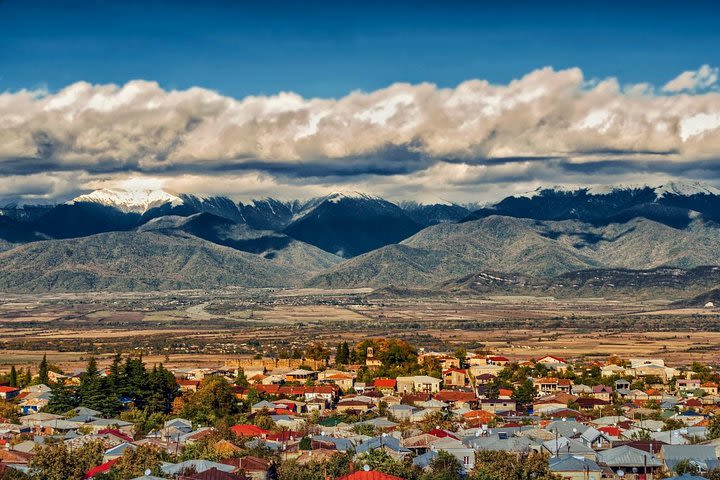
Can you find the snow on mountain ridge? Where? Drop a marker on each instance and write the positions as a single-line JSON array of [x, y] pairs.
[[682, 188], [135, 201]]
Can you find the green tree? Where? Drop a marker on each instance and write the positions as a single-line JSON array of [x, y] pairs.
[[13, 377], [380, 461], [62, 399], [498, 465], [714, 427], [43, 376], [342, 357], [241, 379], [686, 466], [54, 461], [444, 467], [525, 393], [27, 379], [214, 400]]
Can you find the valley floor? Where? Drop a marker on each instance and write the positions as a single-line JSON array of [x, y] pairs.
[[199, 327]]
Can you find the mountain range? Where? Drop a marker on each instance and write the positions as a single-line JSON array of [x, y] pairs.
[[117, 239]]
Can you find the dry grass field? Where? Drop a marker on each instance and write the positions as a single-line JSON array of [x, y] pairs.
[[206, 328]]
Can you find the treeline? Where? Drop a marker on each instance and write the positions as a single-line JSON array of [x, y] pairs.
[[128, 384]]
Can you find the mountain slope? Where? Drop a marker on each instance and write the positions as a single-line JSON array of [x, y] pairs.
[[674, 203], [526, 247], [125, 261], [279, 248], [349, 225]]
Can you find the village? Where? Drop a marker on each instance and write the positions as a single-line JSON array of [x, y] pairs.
[[378, 409]]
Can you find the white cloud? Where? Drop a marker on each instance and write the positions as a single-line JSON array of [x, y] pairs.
[[419, 138], [693, 80]]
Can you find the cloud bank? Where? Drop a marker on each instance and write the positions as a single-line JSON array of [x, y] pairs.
[[405, 141]]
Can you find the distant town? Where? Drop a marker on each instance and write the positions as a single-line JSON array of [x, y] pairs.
[[375, 409]]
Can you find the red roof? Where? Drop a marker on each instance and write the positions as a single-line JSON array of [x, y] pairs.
[[101, 468], [453, 396], [442, 433], [450, 370], [612, 431], [498, 359], [116, 433], [371, 475], [249, 430], [384, 382]]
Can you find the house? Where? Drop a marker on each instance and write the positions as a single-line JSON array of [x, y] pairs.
[[553, 363], [455, 377], [686, 385], [568, 446], [710, 388], [457, 399], [602, 392], [626, 458], [249, 430], [497, 405], [187, 385], [552, 403], [300, 375], [402, 413], [418, 384], [575, 468], [611, 370], [703, 457], [497, 360], [8, 393], [463, 453], [548, 385], [343, 380], [255, 468], [385, 385]]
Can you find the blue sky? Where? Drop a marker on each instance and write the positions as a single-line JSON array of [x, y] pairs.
[[327, 49], [296, 99]]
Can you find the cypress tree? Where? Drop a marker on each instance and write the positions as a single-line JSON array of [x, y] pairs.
[[43, 376], [13, 380], [28, 378]]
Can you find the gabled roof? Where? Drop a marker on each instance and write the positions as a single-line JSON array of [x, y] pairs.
[[569, 463], [248, 430], [626, 456], [105, 467]]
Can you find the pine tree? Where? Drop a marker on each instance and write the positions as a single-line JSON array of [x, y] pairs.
[[342, 357], [241, 378], [43, 376], [27, 380], [62, 399], [13, 379]]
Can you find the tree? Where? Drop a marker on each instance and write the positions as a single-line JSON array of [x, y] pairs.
[[525, 393], [8, 411], [461, 355], [214, 399], [714, 427], [62, 399], [241, 379], [135, 461], [498, 465], [43, 377], [686, 466], [317, 352], [444, 467], [342, 357], [380, 461], [13, 378], [27, 379], [54, 461]]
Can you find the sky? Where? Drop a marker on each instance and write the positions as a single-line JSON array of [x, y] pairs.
[[463, 101]]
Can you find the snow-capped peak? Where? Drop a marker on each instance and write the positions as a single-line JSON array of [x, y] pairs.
[[137, 201], [686, 189], [338, 196], [682, 188]]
